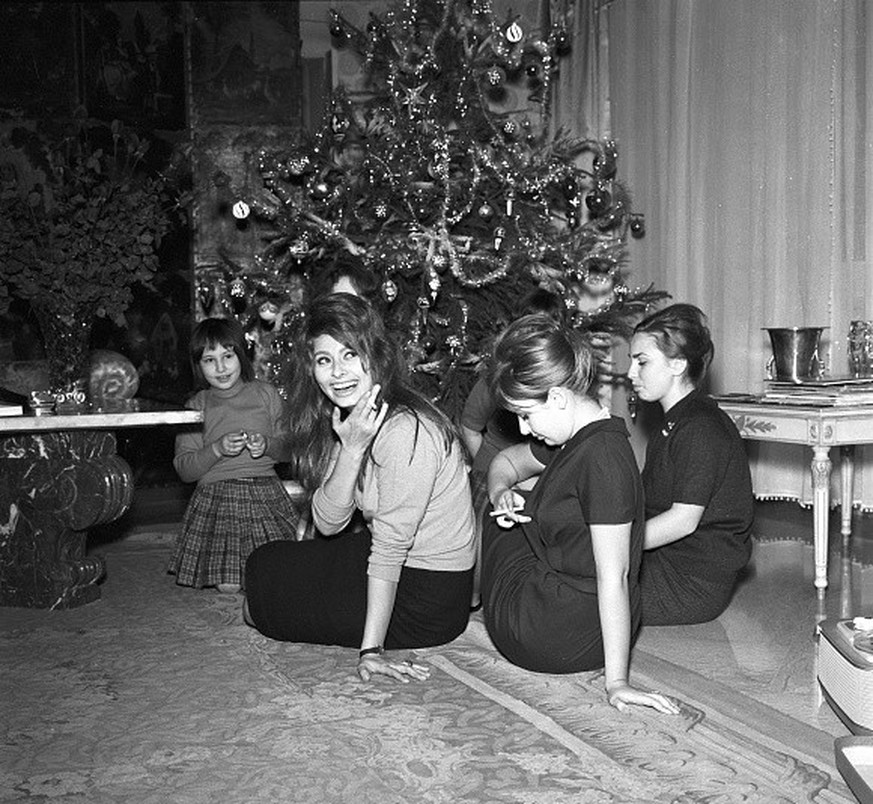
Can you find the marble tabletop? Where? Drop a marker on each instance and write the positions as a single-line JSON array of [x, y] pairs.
[[134, 413]]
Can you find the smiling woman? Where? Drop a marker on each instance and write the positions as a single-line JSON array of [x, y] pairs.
[[366, 441]]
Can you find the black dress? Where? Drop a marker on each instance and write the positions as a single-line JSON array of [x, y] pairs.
[[539, 590], [696, 457]]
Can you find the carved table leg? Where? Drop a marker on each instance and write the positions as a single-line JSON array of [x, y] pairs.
[[53, 487], [821, 478], [847, 487]]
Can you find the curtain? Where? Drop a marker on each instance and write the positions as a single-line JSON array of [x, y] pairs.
[[743, 135]]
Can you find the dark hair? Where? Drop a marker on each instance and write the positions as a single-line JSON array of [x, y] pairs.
[[540, 300], [681, 331], [353, 322], [536, 353], [212, 332], [347, 265]]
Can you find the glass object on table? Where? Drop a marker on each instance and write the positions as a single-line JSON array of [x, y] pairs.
[[861, 348]]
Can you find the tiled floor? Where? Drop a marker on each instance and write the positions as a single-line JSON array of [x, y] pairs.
[[764, 645]]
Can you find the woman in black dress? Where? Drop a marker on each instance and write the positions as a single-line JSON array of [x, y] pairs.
[[699, 501], [559, 569]]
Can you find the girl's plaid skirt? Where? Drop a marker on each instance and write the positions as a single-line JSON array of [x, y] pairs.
[[223, 524]]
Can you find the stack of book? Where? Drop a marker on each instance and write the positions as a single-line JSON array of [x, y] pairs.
[[837, 391], [11, 403]]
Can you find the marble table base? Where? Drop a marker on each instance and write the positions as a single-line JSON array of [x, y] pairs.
[[54, 486]]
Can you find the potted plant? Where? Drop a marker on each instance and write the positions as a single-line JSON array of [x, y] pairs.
[[80, 224]]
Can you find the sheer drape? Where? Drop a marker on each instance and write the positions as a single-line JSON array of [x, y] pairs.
[[744, 137]]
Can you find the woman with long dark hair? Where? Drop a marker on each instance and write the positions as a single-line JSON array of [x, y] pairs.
[[366, 440]]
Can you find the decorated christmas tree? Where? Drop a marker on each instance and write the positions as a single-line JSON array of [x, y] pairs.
[[455, 202]]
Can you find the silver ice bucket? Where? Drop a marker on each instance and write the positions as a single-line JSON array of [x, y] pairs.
[[795, 353]]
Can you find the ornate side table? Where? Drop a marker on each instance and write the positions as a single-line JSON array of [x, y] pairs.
[[59, 476], [820, 427]]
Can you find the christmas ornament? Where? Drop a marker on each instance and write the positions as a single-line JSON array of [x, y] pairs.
[[389, 290], [339, 124], [241, 210], [514, 33], [320, 190], [237, 292], [298, 165], [337, 31], [297, 248], [495, 76], [510, 129], [486, 211], [598, 201], [499, 235], [562, 41], [381, 210], [637, 228]]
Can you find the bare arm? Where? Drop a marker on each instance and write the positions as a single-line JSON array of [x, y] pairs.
[[380, 605], [611, 544], [472, 439], [677, 522], [509, 467]]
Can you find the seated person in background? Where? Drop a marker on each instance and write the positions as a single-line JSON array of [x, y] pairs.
[[699, 501], [346, 274]]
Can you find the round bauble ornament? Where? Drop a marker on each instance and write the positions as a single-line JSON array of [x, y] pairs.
[[428, 343], [320, 190], [532, 70], [598, 201], [486, 212], [241, 210], [298, 165], [604, 166], [562, 42], [637, 228], [514, 33], [495, 76]]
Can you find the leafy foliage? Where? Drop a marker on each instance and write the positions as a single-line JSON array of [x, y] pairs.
[[80, 221]]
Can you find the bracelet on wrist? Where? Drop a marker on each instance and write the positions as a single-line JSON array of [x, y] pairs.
[[377, 651]]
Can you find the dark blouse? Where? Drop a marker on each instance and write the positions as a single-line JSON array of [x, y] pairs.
[[697, 457]]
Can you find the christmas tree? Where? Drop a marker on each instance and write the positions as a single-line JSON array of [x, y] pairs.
[[456, 204]]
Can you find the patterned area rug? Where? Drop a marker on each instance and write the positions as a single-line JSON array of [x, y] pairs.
[[158, 693]]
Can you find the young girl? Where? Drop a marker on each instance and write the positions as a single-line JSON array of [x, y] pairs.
[[559, 570], [239, 502], [699, 501], [369, 442]]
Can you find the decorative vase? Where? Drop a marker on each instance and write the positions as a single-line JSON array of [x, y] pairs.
[[66, 340], [861, 348]]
